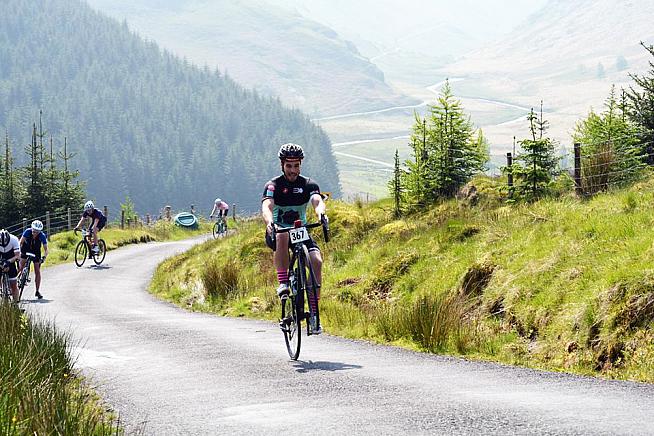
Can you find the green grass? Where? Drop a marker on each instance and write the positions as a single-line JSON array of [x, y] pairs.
[[40, 392], [561, 284], [62, 245]]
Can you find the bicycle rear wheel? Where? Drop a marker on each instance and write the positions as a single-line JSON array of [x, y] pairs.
[[81, 251], [290, 325], [102, 252]]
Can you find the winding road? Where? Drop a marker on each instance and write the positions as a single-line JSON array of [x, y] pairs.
[[168, 371]]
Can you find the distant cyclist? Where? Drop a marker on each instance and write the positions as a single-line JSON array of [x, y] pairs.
[[31, 242], [220, 208], [285, 199], [98, 221], [9, 254]]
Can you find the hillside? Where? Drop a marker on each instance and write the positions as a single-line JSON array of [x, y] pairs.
[[264, 47], [141, 121], [568, 54], [565, 284]]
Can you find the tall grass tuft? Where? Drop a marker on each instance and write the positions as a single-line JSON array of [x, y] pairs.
[[39, 392], [432, 321], [221, 281]]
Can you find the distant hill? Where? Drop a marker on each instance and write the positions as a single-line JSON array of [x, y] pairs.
[[143, 122], [568, 54], [271, 49]]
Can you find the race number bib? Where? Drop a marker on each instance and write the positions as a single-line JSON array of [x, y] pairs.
[[298, 235]]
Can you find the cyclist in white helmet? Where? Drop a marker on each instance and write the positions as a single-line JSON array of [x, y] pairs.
[[98, 221], [9, 254], [221, 207], [31, 242]]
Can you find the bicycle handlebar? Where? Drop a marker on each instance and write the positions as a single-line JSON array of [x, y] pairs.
[[323, 222]]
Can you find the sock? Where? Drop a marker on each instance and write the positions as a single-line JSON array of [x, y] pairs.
[[282, 275]]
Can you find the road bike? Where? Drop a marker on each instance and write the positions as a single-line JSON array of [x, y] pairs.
[[24, 275], [5, 288], [84, 249], [220, 227], [303, 285]]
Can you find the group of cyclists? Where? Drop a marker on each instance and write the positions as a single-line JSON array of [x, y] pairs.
[[32, 240], [285, 199]]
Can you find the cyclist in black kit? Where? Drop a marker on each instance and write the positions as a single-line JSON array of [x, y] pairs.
[[285, 199]]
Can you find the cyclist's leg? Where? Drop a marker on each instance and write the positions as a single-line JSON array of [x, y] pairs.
[[12, 275], [280, 261], [37, 273]]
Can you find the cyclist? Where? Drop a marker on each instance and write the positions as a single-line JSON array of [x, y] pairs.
[[98, 221], [285, 199], [9, 254], [221, 207], [31, 241]]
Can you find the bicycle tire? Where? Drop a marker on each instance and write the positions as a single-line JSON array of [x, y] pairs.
[[291, 327], [99, 258], [309, 282], [215, 230], [22, 279], [4, 288], [81, 251]]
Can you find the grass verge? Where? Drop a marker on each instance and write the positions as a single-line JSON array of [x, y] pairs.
[[40, 393], [564, 285], [62, 245]]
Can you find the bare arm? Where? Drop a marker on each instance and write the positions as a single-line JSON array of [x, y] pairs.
[[318, 204], [267, 213]]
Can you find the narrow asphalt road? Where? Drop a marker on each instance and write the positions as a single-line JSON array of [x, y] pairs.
[[168, 371]]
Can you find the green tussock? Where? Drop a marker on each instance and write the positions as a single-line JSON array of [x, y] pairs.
[[560, 284], [40, 392]]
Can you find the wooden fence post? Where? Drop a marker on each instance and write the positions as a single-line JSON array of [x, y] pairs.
[[509, 174], [168, 209], [24, 224], [234, 212], [47, 224], [106, 212], [578, 188], [70, 224], [147, 219], [122, 219]]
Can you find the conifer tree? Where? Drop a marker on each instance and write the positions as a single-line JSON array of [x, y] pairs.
[[447, 149], [395, 186], [610, 148], [536, 164], [641, 107]]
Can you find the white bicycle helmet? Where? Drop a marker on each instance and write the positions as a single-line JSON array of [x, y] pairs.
[[218, 201], [88, 206], [37, 225], [4, 238]]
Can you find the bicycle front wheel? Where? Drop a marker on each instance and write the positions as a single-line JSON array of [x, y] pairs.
[[290, 325], [102, 252], [215, 230], [81, 251], [22, 280]]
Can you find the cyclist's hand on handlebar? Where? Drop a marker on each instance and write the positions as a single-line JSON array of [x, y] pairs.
[[324, 219], [270, 229], [43, 259]]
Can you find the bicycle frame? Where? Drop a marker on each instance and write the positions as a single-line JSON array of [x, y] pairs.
[[24, 274], [301, 285]]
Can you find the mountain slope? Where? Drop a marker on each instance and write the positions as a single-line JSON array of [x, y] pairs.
[[143, 122], [265, 47], [568, 54]]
